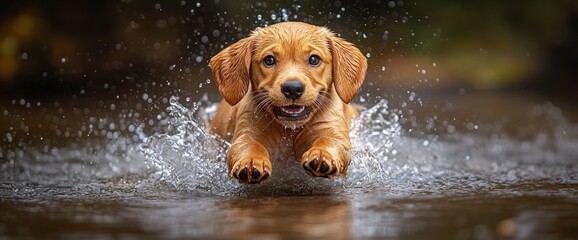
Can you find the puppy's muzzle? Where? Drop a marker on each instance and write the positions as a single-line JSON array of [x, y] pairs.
[[292, 89]]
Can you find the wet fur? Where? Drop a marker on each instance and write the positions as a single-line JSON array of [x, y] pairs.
[[251, 90]]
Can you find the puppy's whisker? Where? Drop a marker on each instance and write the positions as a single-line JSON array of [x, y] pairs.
[[260, 110], [322, 101], [272, 120], [263, 102], [266, 103], [261, 98], [307, 128]]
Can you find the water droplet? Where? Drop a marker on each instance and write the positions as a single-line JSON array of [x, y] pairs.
[[450, 128], [412, 96], [404, 19], [385, 35]]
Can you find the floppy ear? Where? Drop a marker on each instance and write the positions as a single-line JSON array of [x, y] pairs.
[[349, 68], [231, 70]]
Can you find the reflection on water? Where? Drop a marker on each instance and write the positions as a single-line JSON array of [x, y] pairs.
[[361, 215], [310, 217]]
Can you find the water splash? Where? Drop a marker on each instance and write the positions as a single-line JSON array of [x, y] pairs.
[[383, 157], [190, 158], [182, 156], [373, 135]]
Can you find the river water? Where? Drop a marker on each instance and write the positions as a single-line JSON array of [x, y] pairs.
[[473, 166]]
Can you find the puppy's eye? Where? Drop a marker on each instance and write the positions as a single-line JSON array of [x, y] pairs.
[[314, 60], [269, 61]]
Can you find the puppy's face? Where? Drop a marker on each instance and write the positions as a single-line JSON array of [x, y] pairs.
[[292, 68], [291, 72]]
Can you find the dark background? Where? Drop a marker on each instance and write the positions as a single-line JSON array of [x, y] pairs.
[[57, 49]]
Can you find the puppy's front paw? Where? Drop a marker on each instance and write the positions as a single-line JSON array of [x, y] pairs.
[[251, 170], [320, 163]]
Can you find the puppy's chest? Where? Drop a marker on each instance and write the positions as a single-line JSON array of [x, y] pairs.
[[283, 149]]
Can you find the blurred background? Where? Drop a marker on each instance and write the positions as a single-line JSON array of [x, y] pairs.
[[58, 48], [70, 62]]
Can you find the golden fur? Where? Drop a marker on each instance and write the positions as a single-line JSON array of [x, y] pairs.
[[261, 120]]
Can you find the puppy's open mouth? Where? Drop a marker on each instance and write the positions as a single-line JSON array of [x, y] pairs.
[[292, 112]]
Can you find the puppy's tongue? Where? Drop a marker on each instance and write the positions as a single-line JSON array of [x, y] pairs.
[[292, 109]]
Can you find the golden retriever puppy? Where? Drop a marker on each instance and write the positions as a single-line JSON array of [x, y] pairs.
[[287, 88]]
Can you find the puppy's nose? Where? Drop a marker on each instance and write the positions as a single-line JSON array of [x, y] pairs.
[[292, 89]]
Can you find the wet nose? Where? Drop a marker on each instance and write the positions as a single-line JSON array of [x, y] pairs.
[[292, 89]]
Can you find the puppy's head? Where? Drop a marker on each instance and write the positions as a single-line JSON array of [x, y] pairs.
[[291, 68]]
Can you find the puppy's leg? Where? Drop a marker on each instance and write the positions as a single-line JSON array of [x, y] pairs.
[[248, 160], [328, 155]]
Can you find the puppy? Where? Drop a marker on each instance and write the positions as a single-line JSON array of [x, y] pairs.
[[287, 88]]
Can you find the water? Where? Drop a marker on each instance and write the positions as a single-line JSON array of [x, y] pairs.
[[405, 181]]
